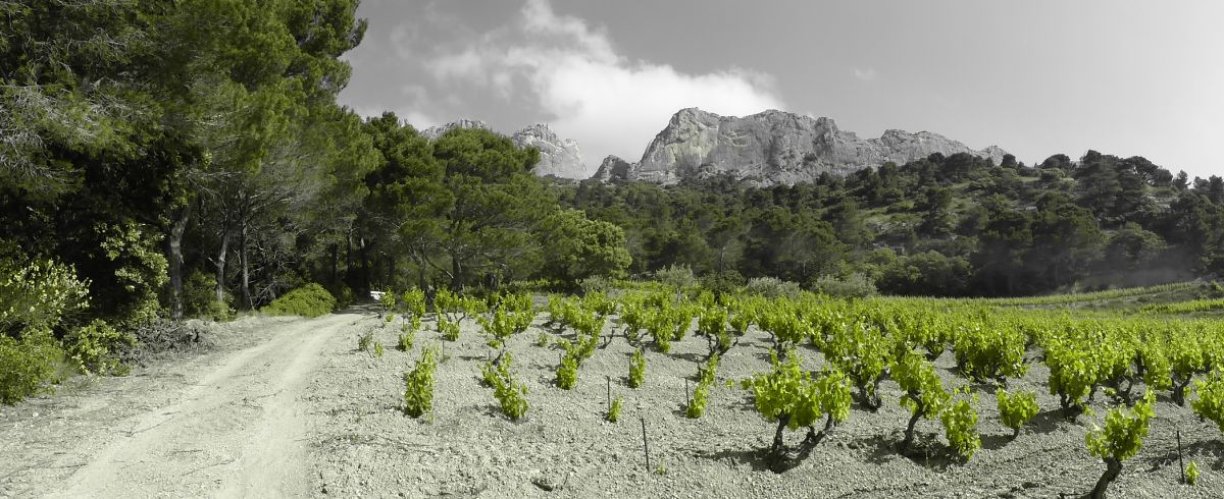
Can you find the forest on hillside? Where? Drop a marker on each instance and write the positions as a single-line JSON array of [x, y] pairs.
[[163, 160]]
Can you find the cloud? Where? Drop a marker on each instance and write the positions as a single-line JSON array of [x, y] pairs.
[[572, 73], [868, 74]]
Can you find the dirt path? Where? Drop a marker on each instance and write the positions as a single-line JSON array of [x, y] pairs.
[[236, 431]]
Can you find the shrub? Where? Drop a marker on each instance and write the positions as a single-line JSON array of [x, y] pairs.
[[637, 369], [722, 283], [677, 277], [615, 410], [200, 298], [855, 285], [1210, 401], [567, 372], [696, 406], [310, 300], [94, 347], [510, 394], [419, 385], [960, 427], [772, 287], [406, 338], [365, 341], [1016, 410], [1120, 439], [1192, 473], [35, 295], [28, 366]]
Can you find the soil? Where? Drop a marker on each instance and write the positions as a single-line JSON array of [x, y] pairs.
[[290, 408]]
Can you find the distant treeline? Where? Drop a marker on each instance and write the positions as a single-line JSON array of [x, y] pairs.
[[950, 226]]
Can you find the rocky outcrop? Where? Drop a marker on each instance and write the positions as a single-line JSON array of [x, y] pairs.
[[558, 157], [434, 132], [775, 147], [613, 169]]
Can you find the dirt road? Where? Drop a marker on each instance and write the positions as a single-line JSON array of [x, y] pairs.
[[232, 427]]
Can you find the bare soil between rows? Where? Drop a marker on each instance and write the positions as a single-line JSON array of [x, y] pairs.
[[291, 408]]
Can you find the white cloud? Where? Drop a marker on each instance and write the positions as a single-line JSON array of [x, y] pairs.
[[572, 73], [868, 74]]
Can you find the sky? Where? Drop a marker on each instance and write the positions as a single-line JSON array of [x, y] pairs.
[[1037, 78]]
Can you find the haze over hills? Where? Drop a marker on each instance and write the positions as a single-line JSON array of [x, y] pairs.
[[767, 148]]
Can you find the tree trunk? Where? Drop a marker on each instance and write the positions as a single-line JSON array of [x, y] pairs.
[[779, 445], [244, 260], [456, 272], [174, 249], [1113, 468], [909, 430], [225, 237], [335, 264]]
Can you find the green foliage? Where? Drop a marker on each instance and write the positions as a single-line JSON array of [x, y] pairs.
[[140, 270], [378, 350], [855, 285], [960, 426], [1121, 438], [580, 248], [1016, 410], [772, 287], [637, 369], [1192, 473], [615, 410], [365, 341], [923, 392], [311, 300], [406, 338], [990, 351], [510, 394], [1209, 403], [413, 302], [788, 395], [567, 372], [95, 347], [36, 295], [419, 385], [35, 298], [449, 330], [28, 366], [697, 405], [200, 298], [387, 300]]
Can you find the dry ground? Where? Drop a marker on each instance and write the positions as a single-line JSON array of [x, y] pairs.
[[290, 408]]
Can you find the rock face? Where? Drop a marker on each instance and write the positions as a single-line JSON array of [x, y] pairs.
[[613, 169], [775, 147], [558, 157], [434, 132]]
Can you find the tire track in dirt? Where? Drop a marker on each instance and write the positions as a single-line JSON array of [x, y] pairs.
[[239, 433]]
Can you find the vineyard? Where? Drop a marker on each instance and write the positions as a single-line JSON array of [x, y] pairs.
[[973, 396]]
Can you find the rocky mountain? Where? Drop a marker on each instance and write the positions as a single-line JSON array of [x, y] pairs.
[[558, 157], [434, 132], [772, 147]]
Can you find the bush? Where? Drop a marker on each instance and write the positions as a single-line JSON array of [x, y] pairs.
[[615, 410], [1016, 410], [310, 301], [35, 296], [722, 283], [28, 367], [94, 347], [200, 299], [637, 369], [772, 287], [419, 385], [856, 285], [679, 277]]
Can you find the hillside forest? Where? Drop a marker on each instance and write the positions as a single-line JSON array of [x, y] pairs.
[[169, 160]]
